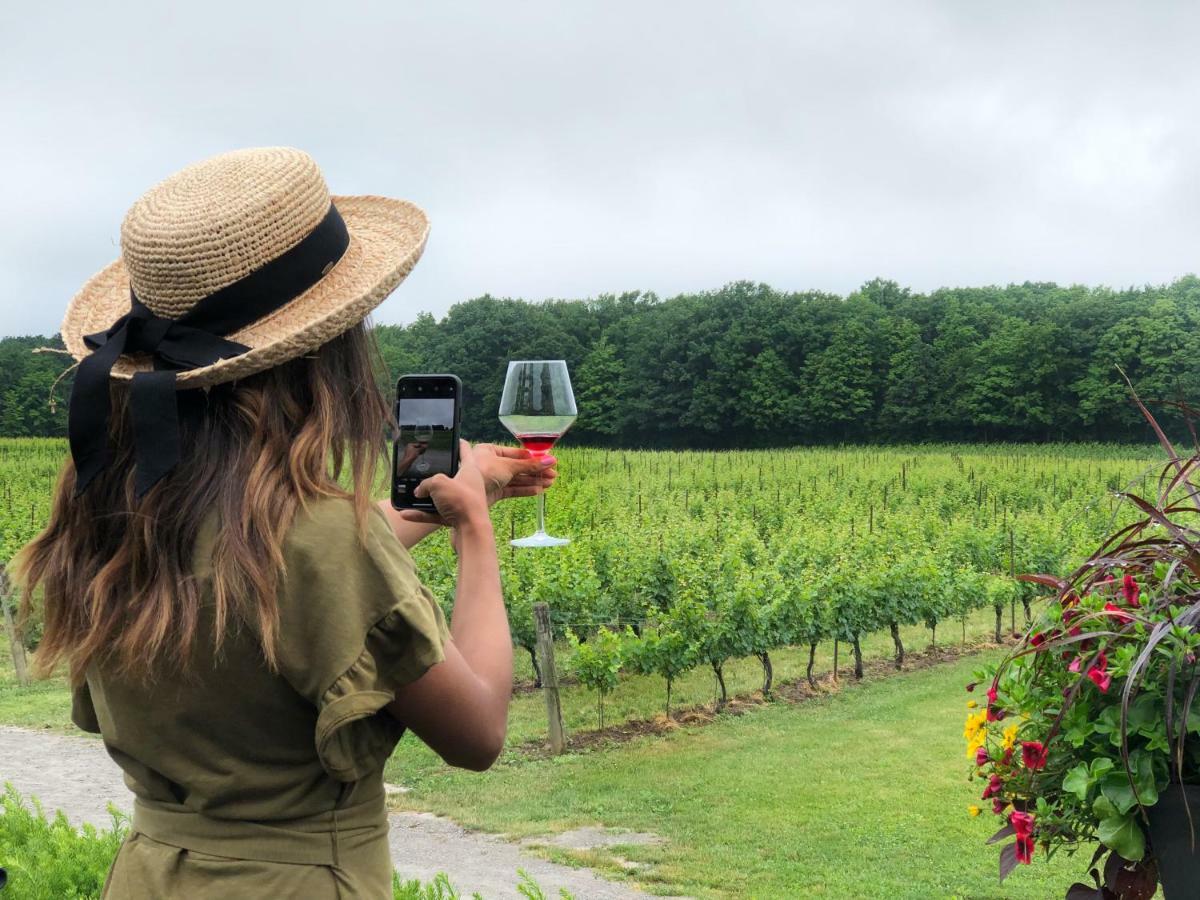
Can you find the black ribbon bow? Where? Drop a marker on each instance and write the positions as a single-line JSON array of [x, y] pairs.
[[194, 340]]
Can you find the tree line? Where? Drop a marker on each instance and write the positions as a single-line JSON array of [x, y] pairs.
[[751, 366]]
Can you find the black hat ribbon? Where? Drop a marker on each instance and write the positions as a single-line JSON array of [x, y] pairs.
[[194, 340]]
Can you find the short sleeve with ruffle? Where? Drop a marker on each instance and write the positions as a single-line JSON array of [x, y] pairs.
[[355, 624], [83, 710]]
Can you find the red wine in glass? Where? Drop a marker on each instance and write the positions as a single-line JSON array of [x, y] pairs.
[[538, 444], [537, 434], [538, 407]]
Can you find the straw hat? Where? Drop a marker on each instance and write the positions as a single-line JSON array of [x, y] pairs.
[[215, 222]]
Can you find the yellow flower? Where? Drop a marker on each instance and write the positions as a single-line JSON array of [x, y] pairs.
[[1010, 736], [975, 731], [976, 722], [971, 704], [974, 810]]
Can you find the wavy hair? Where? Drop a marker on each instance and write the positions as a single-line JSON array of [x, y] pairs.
[[115, 575]]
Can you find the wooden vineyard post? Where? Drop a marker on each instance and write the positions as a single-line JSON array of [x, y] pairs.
[[545, 652], [1012, 573], [18, 649]]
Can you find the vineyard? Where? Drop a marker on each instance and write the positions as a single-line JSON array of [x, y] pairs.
[[686, 560]]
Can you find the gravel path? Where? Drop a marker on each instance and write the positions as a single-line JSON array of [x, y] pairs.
[[76, 775]]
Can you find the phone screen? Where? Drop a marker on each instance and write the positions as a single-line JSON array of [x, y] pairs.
[[426, 445], [427, 418]]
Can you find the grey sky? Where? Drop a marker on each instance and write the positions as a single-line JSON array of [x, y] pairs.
[[570, 149]]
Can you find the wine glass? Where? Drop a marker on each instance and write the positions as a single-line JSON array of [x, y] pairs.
[[422, 440], [538, 407]]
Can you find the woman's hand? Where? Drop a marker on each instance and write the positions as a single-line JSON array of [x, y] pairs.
[[460, 501], [513, 472]]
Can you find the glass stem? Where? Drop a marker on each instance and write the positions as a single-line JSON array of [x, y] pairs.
[[541, 513]]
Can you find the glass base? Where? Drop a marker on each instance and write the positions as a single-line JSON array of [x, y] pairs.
[[540, 539]]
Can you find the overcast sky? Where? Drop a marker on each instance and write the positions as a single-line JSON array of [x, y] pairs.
[[575, 148]]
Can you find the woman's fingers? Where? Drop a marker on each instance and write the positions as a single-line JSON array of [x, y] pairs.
[[422, 489], [545, 477], [529, 485], [522, 467], [508, 452]]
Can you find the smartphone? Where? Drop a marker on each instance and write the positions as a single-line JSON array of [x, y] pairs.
[[429, 414]]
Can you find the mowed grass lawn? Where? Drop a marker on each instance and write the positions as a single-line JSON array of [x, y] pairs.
[[861, 793], [857, 794]]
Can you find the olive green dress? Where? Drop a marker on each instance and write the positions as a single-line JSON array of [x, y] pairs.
[[252, 783]]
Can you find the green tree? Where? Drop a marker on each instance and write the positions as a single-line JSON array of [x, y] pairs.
[[906, 409], [839, 382], [597, 390], [773, 397]]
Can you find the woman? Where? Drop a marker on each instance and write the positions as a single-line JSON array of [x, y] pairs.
[[241, 623]]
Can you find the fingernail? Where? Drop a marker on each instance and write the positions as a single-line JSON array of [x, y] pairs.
[[548, 461]]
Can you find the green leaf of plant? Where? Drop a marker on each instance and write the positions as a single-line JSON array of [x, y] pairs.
[[1109, 721], [1117, 790], [1078, 781], [1122, 834], [1144, 713], [1103, 809], [1143, 777], [1157, 740], [1101, 766]]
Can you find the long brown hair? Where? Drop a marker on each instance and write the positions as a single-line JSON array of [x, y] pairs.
[[115, 574]]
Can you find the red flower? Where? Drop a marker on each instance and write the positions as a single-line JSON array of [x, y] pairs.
[[998, 805], [1100, 678], [1033, 754], [1025, 850], [1117, 613], [995, 715], [993, 788], [1098, 673], [971, 686], [1041, 637], [991, 694], [1076, 664], [1070, 598], [1131, 589], [981, 756], [1007, 758], [1022, 823]]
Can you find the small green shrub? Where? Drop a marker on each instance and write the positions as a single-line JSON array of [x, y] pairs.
[[49, 859], [438, 889]]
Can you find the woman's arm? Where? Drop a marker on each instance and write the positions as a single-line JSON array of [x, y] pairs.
[[408, 533], [460, 706]]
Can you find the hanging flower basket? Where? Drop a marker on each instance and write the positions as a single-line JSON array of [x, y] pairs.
[[1088, 734]]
